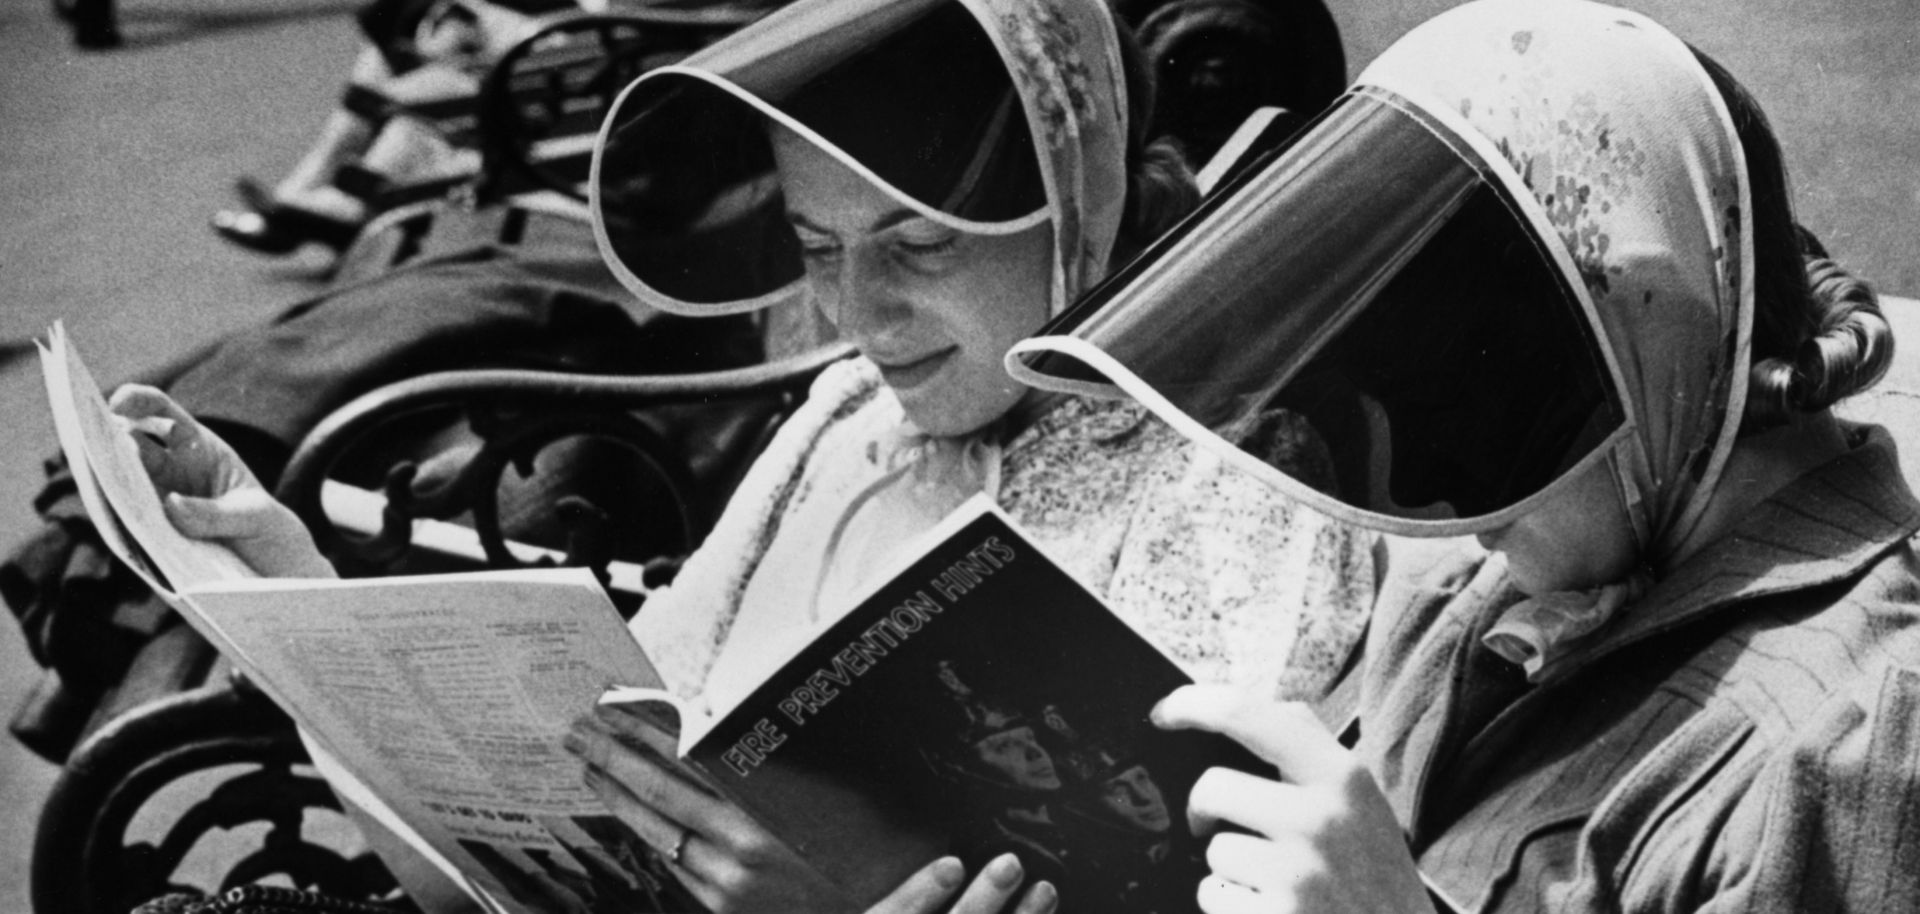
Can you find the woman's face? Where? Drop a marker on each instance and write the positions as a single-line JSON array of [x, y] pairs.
[[935, 308], [1018, 756], [1578, 540], [1134, 798]]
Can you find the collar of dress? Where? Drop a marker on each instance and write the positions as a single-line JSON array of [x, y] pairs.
[[1826, 526]]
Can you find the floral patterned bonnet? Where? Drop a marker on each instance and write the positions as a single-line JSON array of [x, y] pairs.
[[1612, 125], [1620, 135], [1515, 252]]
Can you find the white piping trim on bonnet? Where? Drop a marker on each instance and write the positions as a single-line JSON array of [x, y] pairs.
[[1130, 385], [668, 303]]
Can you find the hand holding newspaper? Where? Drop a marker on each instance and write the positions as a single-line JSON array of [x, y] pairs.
[[114, 485], [435, 703]]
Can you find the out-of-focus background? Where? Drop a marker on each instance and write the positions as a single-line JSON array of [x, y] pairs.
[[111, 162]]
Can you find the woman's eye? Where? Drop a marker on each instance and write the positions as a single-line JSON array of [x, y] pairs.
[[816, 249], [935, 246], [926, 251]]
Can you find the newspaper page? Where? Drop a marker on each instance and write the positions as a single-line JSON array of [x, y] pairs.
[[120, 497], [437, 703], [447, 696]]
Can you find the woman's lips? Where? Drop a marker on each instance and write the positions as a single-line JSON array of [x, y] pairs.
[[913, 372]]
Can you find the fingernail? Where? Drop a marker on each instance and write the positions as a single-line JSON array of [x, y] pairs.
[[947, 873], [574, 743], [158, 428], [1004, 871], [1045, 895]]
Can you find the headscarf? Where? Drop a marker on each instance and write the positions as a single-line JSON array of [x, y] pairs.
[[1622, 138], [1063, 59]]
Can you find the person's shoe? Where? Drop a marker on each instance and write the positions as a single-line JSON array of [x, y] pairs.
[[268, 226]]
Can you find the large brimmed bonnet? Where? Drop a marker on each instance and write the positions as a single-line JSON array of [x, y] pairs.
[[989, 116], [1516, 250]]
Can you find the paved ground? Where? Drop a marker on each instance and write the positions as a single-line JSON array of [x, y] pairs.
[[109, 167], [110, 163]]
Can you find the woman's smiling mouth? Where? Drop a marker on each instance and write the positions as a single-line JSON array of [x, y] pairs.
[[912, 372]]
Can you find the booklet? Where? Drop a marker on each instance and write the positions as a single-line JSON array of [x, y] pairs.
[[978, 701]]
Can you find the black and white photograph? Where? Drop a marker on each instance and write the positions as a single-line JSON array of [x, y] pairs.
[[960, 456]]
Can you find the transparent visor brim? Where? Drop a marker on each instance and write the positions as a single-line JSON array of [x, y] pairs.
[[1369, 319], [912, 96]]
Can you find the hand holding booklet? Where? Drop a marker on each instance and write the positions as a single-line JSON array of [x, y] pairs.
[[978, 701]]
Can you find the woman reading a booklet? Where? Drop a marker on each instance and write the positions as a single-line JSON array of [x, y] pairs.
[[936, 178], [1553, 263]]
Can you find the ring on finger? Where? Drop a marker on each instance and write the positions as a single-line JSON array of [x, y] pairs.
[[680, 846]]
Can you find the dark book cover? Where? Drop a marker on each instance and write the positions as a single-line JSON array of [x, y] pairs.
[[981, 701]]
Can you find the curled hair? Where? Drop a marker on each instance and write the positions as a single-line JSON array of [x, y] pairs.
[[1848, 351], [1818, 333], [1160, 182]]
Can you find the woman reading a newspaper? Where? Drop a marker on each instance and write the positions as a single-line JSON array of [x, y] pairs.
[[1550, 293], [936, 178]]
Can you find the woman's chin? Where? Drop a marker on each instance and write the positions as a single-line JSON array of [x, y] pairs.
[[1543, 578], [942, 423], [942, 414]]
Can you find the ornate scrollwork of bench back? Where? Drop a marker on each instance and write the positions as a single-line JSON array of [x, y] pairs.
[[89, 853], [509, 419]]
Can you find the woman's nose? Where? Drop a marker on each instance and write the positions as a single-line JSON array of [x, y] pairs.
[[868, 295]]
